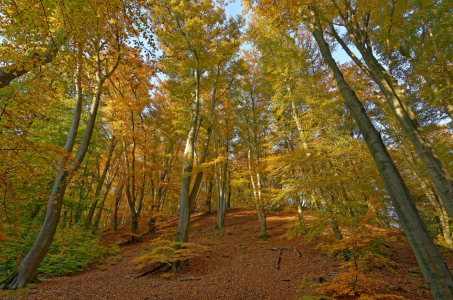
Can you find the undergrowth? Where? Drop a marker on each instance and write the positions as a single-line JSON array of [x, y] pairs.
[[72, 250], [165, 250], [367, 249]]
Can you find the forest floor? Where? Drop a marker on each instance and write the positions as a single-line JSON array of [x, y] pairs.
[[236, 264]]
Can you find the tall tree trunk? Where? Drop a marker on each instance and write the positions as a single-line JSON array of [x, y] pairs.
[[184, 203], [29, 265], [400, 107], [432, 265], [204, 152]]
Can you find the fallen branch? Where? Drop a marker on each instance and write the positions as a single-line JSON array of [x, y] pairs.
[[157, 268], [280, 253], [331, 256]]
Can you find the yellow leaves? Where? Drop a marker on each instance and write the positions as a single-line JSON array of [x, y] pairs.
[[168, 251]]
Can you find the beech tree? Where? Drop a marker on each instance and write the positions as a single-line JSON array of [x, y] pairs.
[[97, 47]]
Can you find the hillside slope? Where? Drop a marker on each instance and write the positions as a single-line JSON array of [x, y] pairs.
[[236, 265]]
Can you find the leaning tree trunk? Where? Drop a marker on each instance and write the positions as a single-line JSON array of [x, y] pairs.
[[29, 265], [432, 265], [400, 107]]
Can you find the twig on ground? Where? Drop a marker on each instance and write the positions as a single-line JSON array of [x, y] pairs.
[[331, 256], [189, 279]]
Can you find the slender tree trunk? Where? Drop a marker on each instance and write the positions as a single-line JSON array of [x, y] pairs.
[[210, 186], [257, 197], [118, 196], [432, 265], [97, 218], [324, 204], [228, 204], [101, 181]]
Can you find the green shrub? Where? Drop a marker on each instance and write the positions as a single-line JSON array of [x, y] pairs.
[[72, 250]]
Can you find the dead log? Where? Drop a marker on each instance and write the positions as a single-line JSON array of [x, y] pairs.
[[155, 269]]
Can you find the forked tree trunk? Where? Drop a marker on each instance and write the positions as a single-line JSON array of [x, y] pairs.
[[432, 265], [29, 265], [184, 201], [184, 196]]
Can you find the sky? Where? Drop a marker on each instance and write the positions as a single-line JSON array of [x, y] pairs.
[[235, 8]]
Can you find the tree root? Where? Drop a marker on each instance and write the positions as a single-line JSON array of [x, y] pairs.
[[9, 282]]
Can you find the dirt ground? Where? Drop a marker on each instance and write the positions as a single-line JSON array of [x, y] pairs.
[[237, 264]]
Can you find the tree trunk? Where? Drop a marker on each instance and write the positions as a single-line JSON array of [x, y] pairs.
[[432, 265], [97, 218], [29, 265], [228, 204], [184, 201], [210, 186], [101, 182], [400, 107], [300, 213], [257, 198]]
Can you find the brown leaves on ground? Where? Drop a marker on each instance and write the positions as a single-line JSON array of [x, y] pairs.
[[235, 265]]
